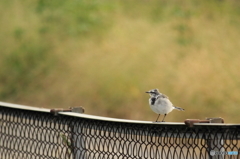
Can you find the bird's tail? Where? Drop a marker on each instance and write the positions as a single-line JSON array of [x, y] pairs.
[[178, 108]]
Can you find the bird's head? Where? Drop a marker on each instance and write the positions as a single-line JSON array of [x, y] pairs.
[[153, 92]]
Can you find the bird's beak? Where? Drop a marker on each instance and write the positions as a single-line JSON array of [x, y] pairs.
[[147, 92]]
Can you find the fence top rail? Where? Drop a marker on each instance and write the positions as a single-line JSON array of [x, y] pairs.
[[94, 117], [87, 116], [24, 107]]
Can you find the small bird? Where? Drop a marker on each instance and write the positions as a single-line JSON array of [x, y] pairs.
[[160, 103]]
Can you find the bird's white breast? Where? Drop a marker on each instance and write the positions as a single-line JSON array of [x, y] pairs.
[[161, 106]]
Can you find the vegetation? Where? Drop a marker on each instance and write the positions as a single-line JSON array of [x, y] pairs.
[[104, 55]]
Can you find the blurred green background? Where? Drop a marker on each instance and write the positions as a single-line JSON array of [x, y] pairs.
[[104, 55]]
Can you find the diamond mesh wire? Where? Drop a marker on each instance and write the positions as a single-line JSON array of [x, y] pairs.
[[26, 134]]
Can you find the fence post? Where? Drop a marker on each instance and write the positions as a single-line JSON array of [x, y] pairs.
[[216, 141]]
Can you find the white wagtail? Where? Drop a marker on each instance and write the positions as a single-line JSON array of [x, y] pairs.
[[160, 103]]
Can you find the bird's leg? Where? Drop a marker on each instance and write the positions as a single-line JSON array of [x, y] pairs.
[[158, 117], [164, 117]]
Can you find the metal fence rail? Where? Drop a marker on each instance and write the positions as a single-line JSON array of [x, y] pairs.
[[32, 133]]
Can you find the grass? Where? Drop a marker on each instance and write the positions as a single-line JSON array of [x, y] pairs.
[[104, 55]]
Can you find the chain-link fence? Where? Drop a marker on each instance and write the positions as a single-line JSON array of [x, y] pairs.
[[37, 134]]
